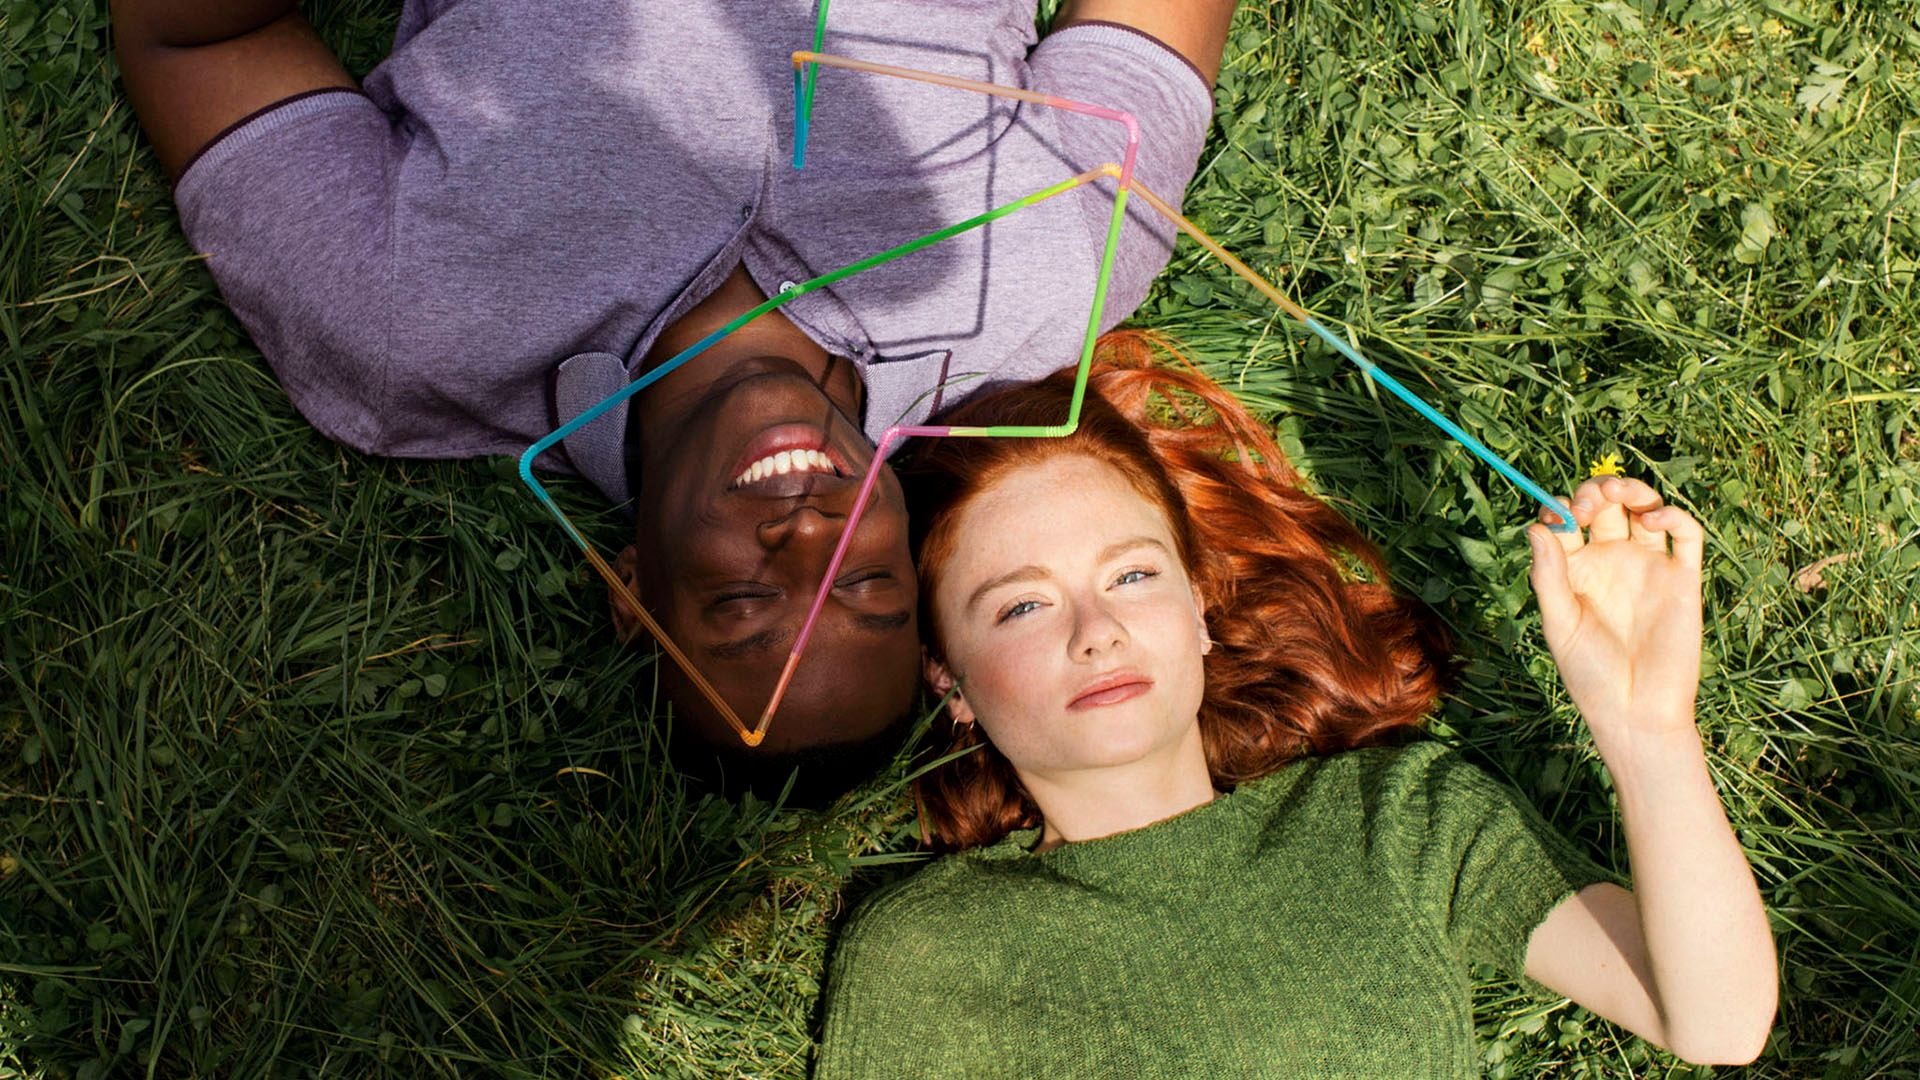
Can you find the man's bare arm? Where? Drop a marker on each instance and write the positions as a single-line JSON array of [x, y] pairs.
[[1196, 29], [194, 68]]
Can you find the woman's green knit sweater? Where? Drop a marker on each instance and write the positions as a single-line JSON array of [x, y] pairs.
[[1317, 922]]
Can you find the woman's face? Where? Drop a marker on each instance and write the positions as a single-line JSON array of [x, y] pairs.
[[1069, 621]]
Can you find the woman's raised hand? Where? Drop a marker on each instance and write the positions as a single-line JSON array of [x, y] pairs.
[[1621, 612], [1687, 958]]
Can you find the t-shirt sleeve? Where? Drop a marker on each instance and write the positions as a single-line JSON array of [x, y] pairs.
[[1480, 860], [292, 208], [1121, 68]]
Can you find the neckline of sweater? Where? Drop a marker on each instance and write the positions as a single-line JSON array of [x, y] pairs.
[[1173, 840]]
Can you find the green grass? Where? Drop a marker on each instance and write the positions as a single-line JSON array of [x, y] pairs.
[[317, 764]]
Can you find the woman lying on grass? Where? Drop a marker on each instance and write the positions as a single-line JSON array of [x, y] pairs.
[[1195, 840]]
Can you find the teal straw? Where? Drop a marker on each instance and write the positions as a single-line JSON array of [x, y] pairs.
[[1460, 435], [803, 94]]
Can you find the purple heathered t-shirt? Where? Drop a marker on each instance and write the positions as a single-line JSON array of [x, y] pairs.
[[487, 241]]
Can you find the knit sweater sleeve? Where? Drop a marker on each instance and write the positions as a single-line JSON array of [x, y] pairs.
[[893, 958], [1476, 859]]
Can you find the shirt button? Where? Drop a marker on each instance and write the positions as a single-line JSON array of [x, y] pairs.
[[746, 212], [786, 286]]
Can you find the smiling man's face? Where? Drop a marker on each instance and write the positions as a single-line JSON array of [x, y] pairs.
[[739, 511]]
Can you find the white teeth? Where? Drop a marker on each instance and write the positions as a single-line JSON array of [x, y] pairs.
[[784, 462]]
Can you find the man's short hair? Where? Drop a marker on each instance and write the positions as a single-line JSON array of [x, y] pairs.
[[820, 774]]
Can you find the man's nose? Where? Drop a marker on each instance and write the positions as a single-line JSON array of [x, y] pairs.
[[805, 525]]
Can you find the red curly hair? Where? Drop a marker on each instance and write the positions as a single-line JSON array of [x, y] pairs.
[[1307, 659]]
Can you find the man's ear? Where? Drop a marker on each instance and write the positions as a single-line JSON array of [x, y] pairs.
[[943, 683], [626, 622]]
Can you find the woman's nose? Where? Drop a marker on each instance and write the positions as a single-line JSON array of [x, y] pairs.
[[1096, 630]]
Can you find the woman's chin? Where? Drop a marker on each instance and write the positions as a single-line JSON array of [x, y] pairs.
[[1112, 739]]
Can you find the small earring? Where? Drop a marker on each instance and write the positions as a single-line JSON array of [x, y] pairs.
[[955, 697]]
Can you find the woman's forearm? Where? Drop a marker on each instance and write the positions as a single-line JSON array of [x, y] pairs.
[[1708, 944], [1622, 614]]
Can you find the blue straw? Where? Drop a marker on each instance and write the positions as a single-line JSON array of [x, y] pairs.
[[1498, 463]]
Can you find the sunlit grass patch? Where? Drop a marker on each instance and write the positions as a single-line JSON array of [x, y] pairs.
[[314, 763]]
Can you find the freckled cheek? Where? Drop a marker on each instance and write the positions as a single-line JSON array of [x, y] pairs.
[[1009, 687], [1173, 637], [1166, 630]]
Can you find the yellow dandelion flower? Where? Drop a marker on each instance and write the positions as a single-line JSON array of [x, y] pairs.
[[1606, 466]]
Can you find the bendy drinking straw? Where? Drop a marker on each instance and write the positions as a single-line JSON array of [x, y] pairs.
[[753, 736], [804, 89]]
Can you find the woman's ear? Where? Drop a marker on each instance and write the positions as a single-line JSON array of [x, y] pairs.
[[1200, 620], [944, 684], [626, 622]]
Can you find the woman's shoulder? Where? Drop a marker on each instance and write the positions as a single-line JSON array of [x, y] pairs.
[[1369, 768], [922, 915], [1425, 773], [945, 884], [1374, 785]]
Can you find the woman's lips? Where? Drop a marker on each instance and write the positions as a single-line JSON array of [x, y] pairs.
[[1111, 690]]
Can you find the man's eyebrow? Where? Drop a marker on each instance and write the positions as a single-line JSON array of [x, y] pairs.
[[881, 624], [761, 642], [1036, 573], [752, 645]]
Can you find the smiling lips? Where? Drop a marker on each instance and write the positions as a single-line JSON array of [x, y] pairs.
[[789, 459], [785, 462], [1111, 690]]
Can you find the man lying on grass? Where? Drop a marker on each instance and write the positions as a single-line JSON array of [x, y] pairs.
[[527, 205]]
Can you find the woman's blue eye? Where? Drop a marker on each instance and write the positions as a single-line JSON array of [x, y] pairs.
[[1132, 576], [1017, 610]]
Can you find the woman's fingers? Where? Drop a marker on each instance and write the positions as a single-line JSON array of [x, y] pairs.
[[1596, 496], [1559, 608], [1689, 539], [1643, 505], [1571, 539], [1621, 508]]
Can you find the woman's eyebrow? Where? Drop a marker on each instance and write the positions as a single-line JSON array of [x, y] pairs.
[[1012, 577], [1121, 547], [1040, 573]]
